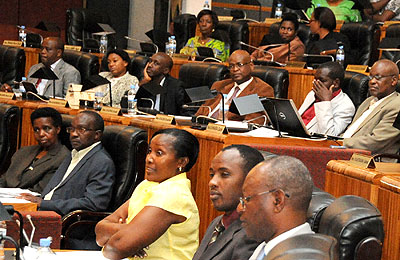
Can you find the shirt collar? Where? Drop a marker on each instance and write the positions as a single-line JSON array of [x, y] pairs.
[[83, 152], [53, 66], [244, 84]]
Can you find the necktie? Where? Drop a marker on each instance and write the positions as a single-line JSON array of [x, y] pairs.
[[217, 113], [38, 82], [217, 231]]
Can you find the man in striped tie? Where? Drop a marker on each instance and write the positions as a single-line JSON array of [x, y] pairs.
[[276, 196]]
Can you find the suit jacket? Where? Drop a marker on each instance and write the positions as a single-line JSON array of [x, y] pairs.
[[256, 86], [377, 133], [331, 117], [171, 100], [231, 244], [88, 186], [41, 172], [66, 73]]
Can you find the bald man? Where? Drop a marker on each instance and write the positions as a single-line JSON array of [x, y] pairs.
[[276, 197], [240, 84], [372, 128]]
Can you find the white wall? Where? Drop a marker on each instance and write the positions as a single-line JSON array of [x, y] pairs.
[[193, 6], [141, 15]]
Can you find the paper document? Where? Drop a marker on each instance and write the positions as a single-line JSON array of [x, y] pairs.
[[15, 192]]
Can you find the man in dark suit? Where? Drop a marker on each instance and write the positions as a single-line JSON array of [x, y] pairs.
[[85, 178], [240, 84], [156, 73], [228, 171]]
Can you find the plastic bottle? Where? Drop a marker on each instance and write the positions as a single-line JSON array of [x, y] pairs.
[[173, 44], [44, 252], [22, 35], [168, 49], [206, 5], [3, 232], [98, 100], [340, 55], [103, 44], [132, 102], [278, 11]]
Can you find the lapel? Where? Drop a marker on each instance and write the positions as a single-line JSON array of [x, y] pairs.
[[223, 240], [163, 96], [49, 83], [50, 154], [375, 111]]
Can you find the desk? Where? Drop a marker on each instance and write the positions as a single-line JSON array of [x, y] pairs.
[[23, 206]]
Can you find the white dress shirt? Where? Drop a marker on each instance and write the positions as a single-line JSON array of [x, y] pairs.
[[158, 96]]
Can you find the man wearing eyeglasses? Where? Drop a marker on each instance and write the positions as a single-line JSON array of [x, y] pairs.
[[225, 239], [240, 84], [276, 197], [84, 179], [372, 128]]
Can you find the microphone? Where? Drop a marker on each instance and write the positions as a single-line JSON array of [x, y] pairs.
[[265, 119], [150, 111], [275, 114], [317, 55], [10, 209], [149, 99], [263, 50], [188, 106], [136, 40]]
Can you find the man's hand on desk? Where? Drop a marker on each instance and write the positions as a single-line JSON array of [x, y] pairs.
[[5, 87], [31, 198]]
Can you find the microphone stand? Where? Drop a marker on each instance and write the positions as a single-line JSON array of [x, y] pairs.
[[276, 115], [109, 87]]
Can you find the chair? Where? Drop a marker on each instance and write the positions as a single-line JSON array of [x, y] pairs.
[[9, 120], [87, 64], [137, 65], [34, 40], [184, 29], [277, 78], [127, 146], [392, 31], [364, 39], [307, 246], [355, 85], [12, 64], [357, 225], [319, 202], [236, 31], [202, 74]]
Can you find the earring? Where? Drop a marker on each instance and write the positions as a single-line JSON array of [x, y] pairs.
[[180, 169], [213, 30]]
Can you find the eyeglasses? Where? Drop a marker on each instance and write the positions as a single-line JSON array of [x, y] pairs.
[[379, 77], [79, 130], [247, 199], [238, 65]]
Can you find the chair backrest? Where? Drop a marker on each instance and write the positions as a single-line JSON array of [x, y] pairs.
[[236, 31], [364, 39], [87, 64], [277, 78], [202, 74], [357, 225], [306, 246], [9, 119], [184, 29], [12, 64], [392, 31], [303, 32], [81, 23], [355, 85], [34, 40], [137, 65], [127, 146], [319, 202]]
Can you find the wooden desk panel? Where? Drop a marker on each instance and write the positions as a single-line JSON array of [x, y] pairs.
[[23, 206]]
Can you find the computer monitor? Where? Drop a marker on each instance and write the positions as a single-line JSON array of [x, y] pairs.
[[284, 112]]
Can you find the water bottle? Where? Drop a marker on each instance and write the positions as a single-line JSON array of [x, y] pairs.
[[44, 252], [132, 100], [168, 49], [98, 100], [172, 45], [340, 55], [206, 5], [103, 44], [3, 232], [22, 35], [278, 11]]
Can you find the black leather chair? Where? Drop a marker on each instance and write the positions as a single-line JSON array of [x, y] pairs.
[[184, 29], [303, 32], [357, 225], [86, 63], [392, 31], [236, 31], [137, 65], [277, 78], [364, 39], [81, 23], [127, 146], [12, 64], [355, 85], [305, 247], [319, 202], [9, 120], [34, 40], [202, 74]]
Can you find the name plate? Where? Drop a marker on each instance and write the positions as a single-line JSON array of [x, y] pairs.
[[72, 47], [12, 43], [7, 95], [357, 68], [220, 129], [361, 160], [296, 64], [114, 111], [160, 118], [58, 102]]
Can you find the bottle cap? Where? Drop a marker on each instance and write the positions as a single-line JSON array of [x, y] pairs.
[[44, 242], [22, 26], [173, 37]]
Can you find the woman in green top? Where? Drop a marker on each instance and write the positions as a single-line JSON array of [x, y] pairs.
[[341, 8], [207, 21]]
